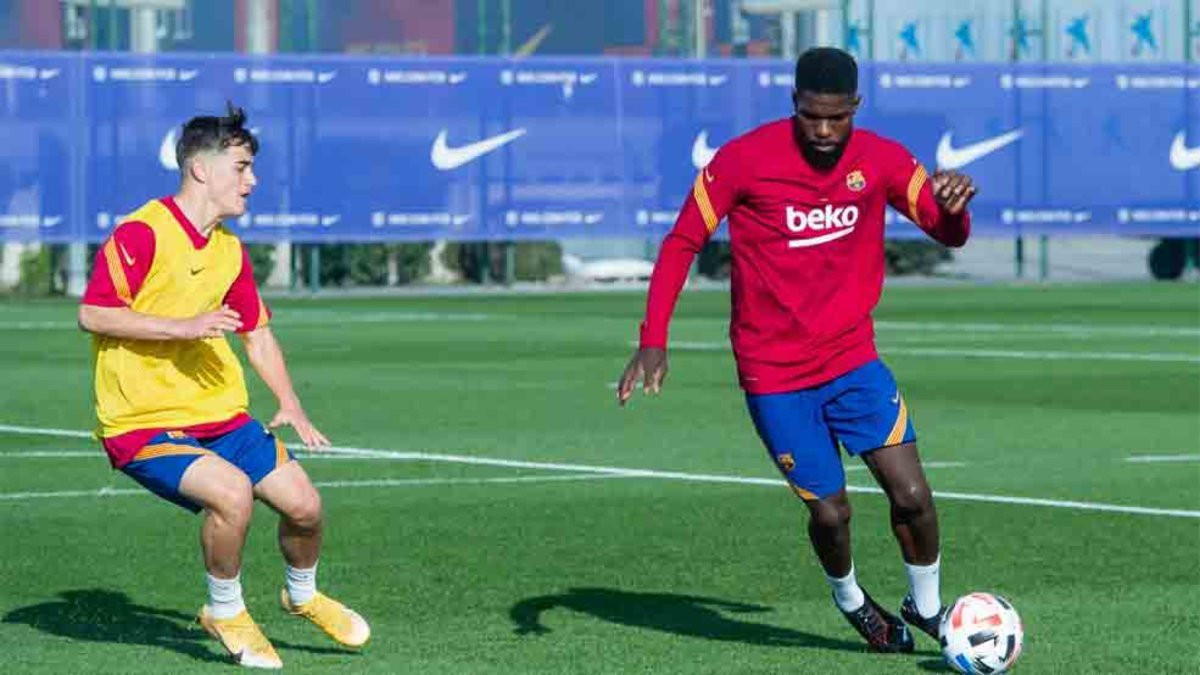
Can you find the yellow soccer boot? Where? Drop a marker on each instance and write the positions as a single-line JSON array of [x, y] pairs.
[[241, 637], [341, 623]]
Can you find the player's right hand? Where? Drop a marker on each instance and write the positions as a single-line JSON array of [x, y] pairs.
[[648, 365], [210, 324], [952, 190]]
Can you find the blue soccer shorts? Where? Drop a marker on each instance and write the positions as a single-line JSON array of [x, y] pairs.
[[860, 411], [160, 464]]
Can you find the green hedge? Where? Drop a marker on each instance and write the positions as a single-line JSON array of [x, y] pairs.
[[364, 264], [38, 273], [345, 265], [917, 256], [534, 260]]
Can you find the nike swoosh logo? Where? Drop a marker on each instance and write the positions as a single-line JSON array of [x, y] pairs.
[[1183, 157], [196, 270], [816, 241], [129, 260], [445, 158], [166, 152], [896, 398], [950, 157], [702, 154]]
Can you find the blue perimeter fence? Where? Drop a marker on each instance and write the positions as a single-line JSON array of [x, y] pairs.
[[358, 149]]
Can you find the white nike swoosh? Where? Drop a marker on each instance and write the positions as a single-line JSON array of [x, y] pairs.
[[702, 154], [950, 157], [1183, 157], [815, 241], [166, 152], [446, 158]]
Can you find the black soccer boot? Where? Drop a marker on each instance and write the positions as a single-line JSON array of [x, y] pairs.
[[882, 631], [931, 626]]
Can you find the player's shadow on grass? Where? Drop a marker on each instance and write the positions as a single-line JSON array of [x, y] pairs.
[[686, 615], [97, 615]]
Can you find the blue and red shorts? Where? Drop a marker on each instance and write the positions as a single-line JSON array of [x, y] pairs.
[[160, 464], [859, 411]]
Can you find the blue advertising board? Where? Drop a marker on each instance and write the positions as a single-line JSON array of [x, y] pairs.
[[394, 149]]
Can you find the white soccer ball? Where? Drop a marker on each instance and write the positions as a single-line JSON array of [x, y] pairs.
[[981, 634]]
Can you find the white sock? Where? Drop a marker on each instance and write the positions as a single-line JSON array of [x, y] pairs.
[[846, 592], [301, 583], [924, 584], [225, 597]]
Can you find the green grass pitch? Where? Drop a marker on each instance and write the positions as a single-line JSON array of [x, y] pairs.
[[1061, 425]]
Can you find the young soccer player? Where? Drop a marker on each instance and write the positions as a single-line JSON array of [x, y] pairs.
[[805, 198], [168, 285]]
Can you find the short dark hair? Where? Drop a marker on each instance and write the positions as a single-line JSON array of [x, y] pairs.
[[827, 70], [208, 133]]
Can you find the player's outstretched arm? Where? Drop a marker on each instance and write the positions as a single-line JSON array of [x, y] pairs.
[[714, 193], [649, 364], [266, 356], [124, 323]]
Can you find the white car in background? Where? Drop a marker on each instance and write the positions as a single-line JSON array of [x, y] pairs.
[[606, 269]]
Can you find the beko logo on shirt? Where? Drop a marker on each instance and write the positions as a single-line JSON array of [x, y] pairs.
[[835, 221]]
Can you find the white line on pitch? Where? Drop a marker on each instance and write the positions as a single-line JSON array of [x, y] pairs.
[[1061, 329], [38, 325], [42, 431], [1163, 458], [1039, 355], [691, 477], [331, 484], [50, 453], [301, 318], [924, 464], [296, 316], [1022, 354], [1055, 328], [99, 454], [307, 456]]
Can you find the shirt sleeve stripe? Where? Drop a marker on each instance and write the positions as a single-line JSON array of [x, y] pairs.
[[914, 192], [117, 272], [706, 210], [262, 314]]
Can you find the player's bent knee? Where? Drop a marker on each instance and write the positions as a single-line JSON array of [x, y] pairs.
[[307, 513], [913, 500], [830, 514], [235, 503], [303, 508], [220, 488]]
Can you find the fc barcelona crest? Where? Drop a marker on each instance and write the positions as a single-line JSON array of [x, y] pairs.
[[786, 461], [856, 181]]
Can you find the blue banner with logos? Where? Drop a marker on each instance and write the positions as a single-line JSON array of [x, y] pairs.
[[391, 149]]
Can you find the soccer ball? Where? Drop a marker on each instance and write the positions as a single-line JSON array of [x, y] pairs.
[[981, 634]]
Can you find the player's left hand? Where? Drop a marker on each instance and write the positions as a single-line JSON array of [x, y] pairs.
[[953, 191], [296, 419]]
